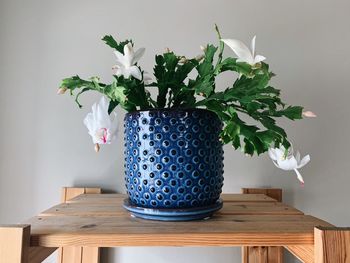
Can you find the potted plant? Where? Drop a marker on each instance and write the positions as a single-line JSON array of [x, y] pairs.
[[173, 142]]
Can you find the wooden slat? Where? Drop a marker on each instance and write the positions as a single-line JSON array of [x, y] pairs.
[[69, 193], [275, 254], [14, 243], [265, 254], [118, 198], [256, 254], [173, 239], [304, 253], [78, 254], [332, 245], [275, 193], [115, 209], [221, 230]]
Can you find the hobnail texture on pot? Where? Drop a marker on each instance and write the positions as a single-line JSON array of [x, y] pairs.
[[173, 158]]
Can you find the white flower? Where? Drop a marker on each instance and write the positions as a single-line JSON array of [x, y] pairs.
[[102, 127], [309, 114], [288, 162], [243, 53], [126, 63]]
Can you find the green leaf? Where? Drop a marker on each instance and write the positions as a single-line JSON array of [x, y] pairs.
[[76, 82], [269, 138], [230, 64], [206, 67], [258, 145], [171, 61], [110, 41], [205, 86], [232, 129], [218, 108], [119, 93], [269, 123], [236, 142], [209, 53], [112, 105], [292, 112], [248, 147], [182, 71]]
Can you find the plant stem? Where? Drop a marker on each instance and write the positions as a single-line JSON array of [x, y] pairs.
[[221, 47]]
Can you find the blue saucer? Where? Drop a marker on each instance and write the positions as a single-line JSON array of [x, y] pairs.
[[164, 214]]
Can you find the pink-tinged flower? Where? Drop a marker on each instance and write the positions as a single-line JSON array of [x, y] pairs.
[[126, 63], [61, 90], [243, 53], [287, 161], [309, 114], [102, 127]]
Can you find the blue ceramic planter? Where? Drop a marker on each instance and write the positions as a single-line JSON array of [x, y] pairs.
[[173, 158]]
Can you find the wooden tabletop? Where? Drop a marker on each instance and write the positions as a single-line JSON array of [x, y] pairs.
[[99, 220]]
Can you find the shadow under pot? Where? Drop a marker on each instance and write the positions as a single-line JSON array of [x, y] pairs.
[[173, 164]]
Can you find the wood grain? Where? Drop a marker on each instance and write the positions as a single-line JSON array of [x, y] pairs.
[[304, 253], [115, 209], [275, 193], [240, 222], [14, 243], [265, 254], [332, 245], [77, 254], [118, 198]]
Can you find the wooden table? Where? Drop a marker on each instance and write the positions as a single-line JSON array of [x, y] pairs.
[[259, 223]]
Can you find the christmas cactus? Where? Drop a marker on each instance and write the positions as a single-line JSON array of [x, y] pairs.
[[250, 95]]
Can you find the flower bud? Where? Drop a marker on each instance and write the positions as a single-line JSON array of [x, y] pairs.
[[167, 50], [95, 79], [97, 147], [61, 90], [309, 114], [204, 49], [256, 65], [183, 60], [199, 57]]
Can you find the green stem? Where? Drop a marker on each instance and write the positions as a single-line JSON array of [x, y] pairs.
[[221, 48]]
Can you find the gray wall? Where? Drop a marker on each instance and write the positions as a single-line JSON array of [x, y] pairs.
[[45, 146]]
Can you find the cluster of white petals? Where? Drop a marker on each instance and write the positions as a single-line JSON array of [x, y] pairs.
[[243, 53], [126, 62], [288, 162], [102, 127]]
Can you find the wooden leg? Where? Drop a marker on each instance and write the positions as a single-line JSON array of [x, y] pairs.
[[14, 243], [78, 254], [332, 245], [263, 254]]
